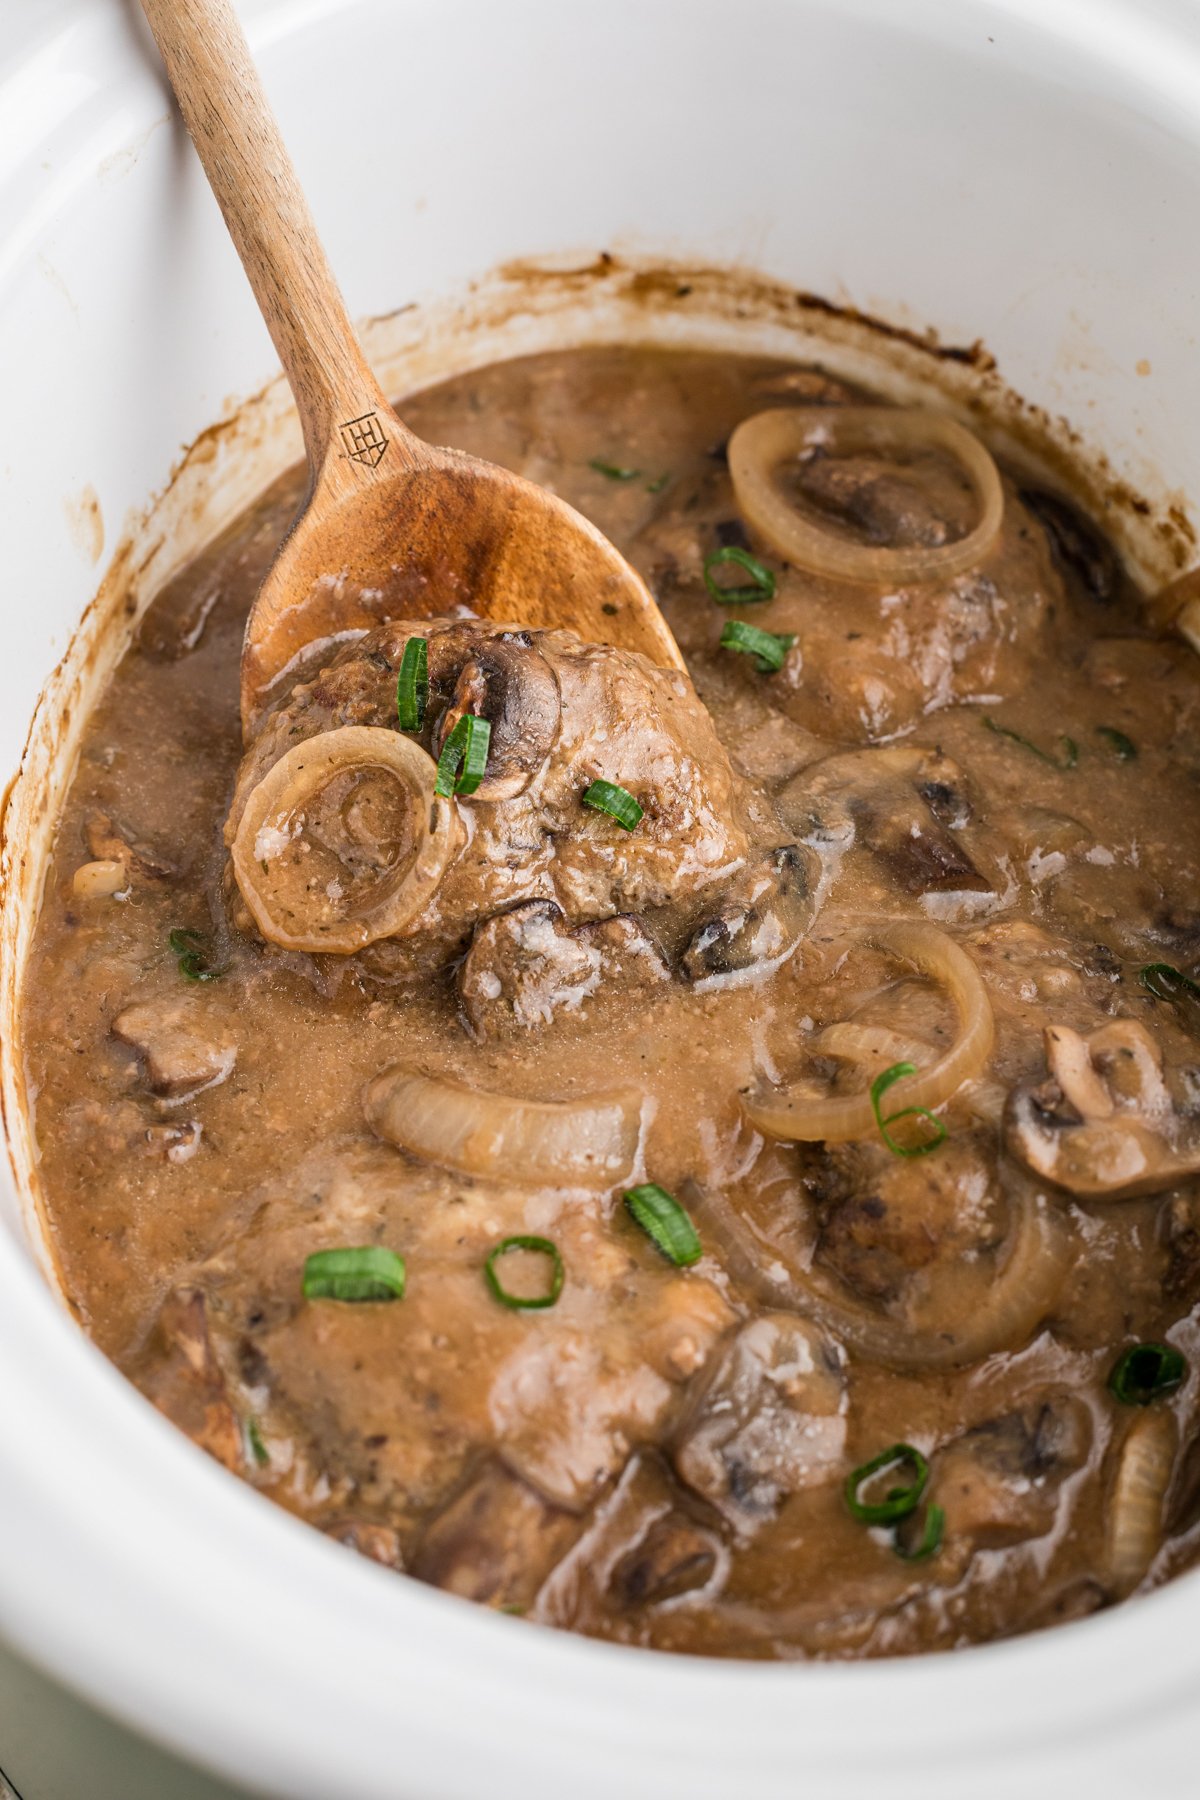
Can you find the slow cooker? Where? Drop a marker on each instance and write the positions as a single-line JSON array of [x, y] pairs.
[[1010, 191]]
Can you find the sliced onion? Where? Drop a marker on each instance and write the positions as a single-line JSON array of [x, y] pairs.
[[265, 844], [1135, 1513], [872, 1047], [798, 1114], [587, 1143], [761, 443], [1018, 1296]]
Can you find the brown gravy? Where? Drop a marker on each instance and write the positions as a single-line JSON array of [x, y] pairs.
[[1006, 760]]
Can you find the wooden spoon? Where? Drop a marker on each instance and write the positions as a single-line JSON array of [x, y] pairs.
[[390, 527]]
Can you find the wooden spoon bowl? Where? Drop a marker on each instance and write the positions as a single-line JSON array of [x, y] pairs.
[[434, 531], [390, 527]]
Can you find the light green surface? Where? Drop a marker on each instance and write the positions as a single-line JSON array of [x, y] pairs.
[[53, 1747]]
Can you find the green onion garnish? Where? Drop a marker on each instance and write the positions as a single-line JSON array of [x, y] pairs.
[[1146, 1372], [769, 648], [930, 1539], [898, 1502], [665, 1223], [1168, 983], [540, 1246], [617, 802], [257, 1448], [189, 947], [658, 484], [412, 686], [1070, 755], [467, 746], [613, 471], [372, 1273], [1124, 748], [879, 1088], [761, 585]]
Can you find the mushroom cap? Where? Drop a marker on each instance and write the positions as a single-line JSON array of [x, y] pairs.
[[501, 678], [1102, 1124]]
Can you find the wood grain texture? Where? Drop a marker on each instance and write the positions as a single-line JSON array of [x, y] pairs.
[[390, 528]]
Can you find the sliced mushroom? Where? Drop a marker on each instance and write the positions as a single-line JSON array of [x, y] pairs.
[[183, 1048], [1102, 1125], [759, 923], [501, 678], [771, 1420], [527, 965], [495, 1542], [999, 1483], [640, 1548], [676, 1556], [907, 806]]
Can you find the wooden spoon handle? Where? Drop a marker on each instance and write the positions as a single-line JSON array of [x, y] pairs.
[[251, 174]]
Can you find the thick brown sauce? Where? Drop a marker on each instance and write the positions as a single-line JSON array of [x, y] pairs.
[[644, 1461]]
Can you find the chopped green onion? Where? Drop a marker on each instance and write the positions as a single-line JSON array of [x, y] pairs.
[[1146, 1372], [1124, 748], [412, 686], [665, 1222], [657, 486], [617, 802], [189, 948], [898, 1502], [1168, 983], [1070, 754], [258, 1449], [613, 471], [761, 585], [929, 1541], [769, 648], [879, 1088], [467, 746], [541, 1247], [372, 1273]]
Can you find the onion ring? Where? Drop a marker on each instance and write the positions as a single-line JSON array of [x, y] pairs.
[[1017, 1298], [798, 1115], [762, 442], [588, 1143], [1135, 1513], [272, 819]]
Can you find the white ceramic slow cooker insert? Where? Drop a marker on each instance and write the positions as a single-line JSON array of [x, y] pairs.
[[1026, 173]]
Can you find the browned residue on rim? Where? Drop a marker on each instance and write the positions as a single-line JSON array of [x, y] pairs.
[[1161, 538]]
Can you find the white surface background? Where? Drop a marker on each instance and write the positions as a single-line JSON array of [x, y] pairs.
[[1026, 171]]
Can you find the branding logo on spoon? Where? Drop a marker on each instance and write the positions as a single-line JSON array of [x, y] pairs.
[[364, 439]]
